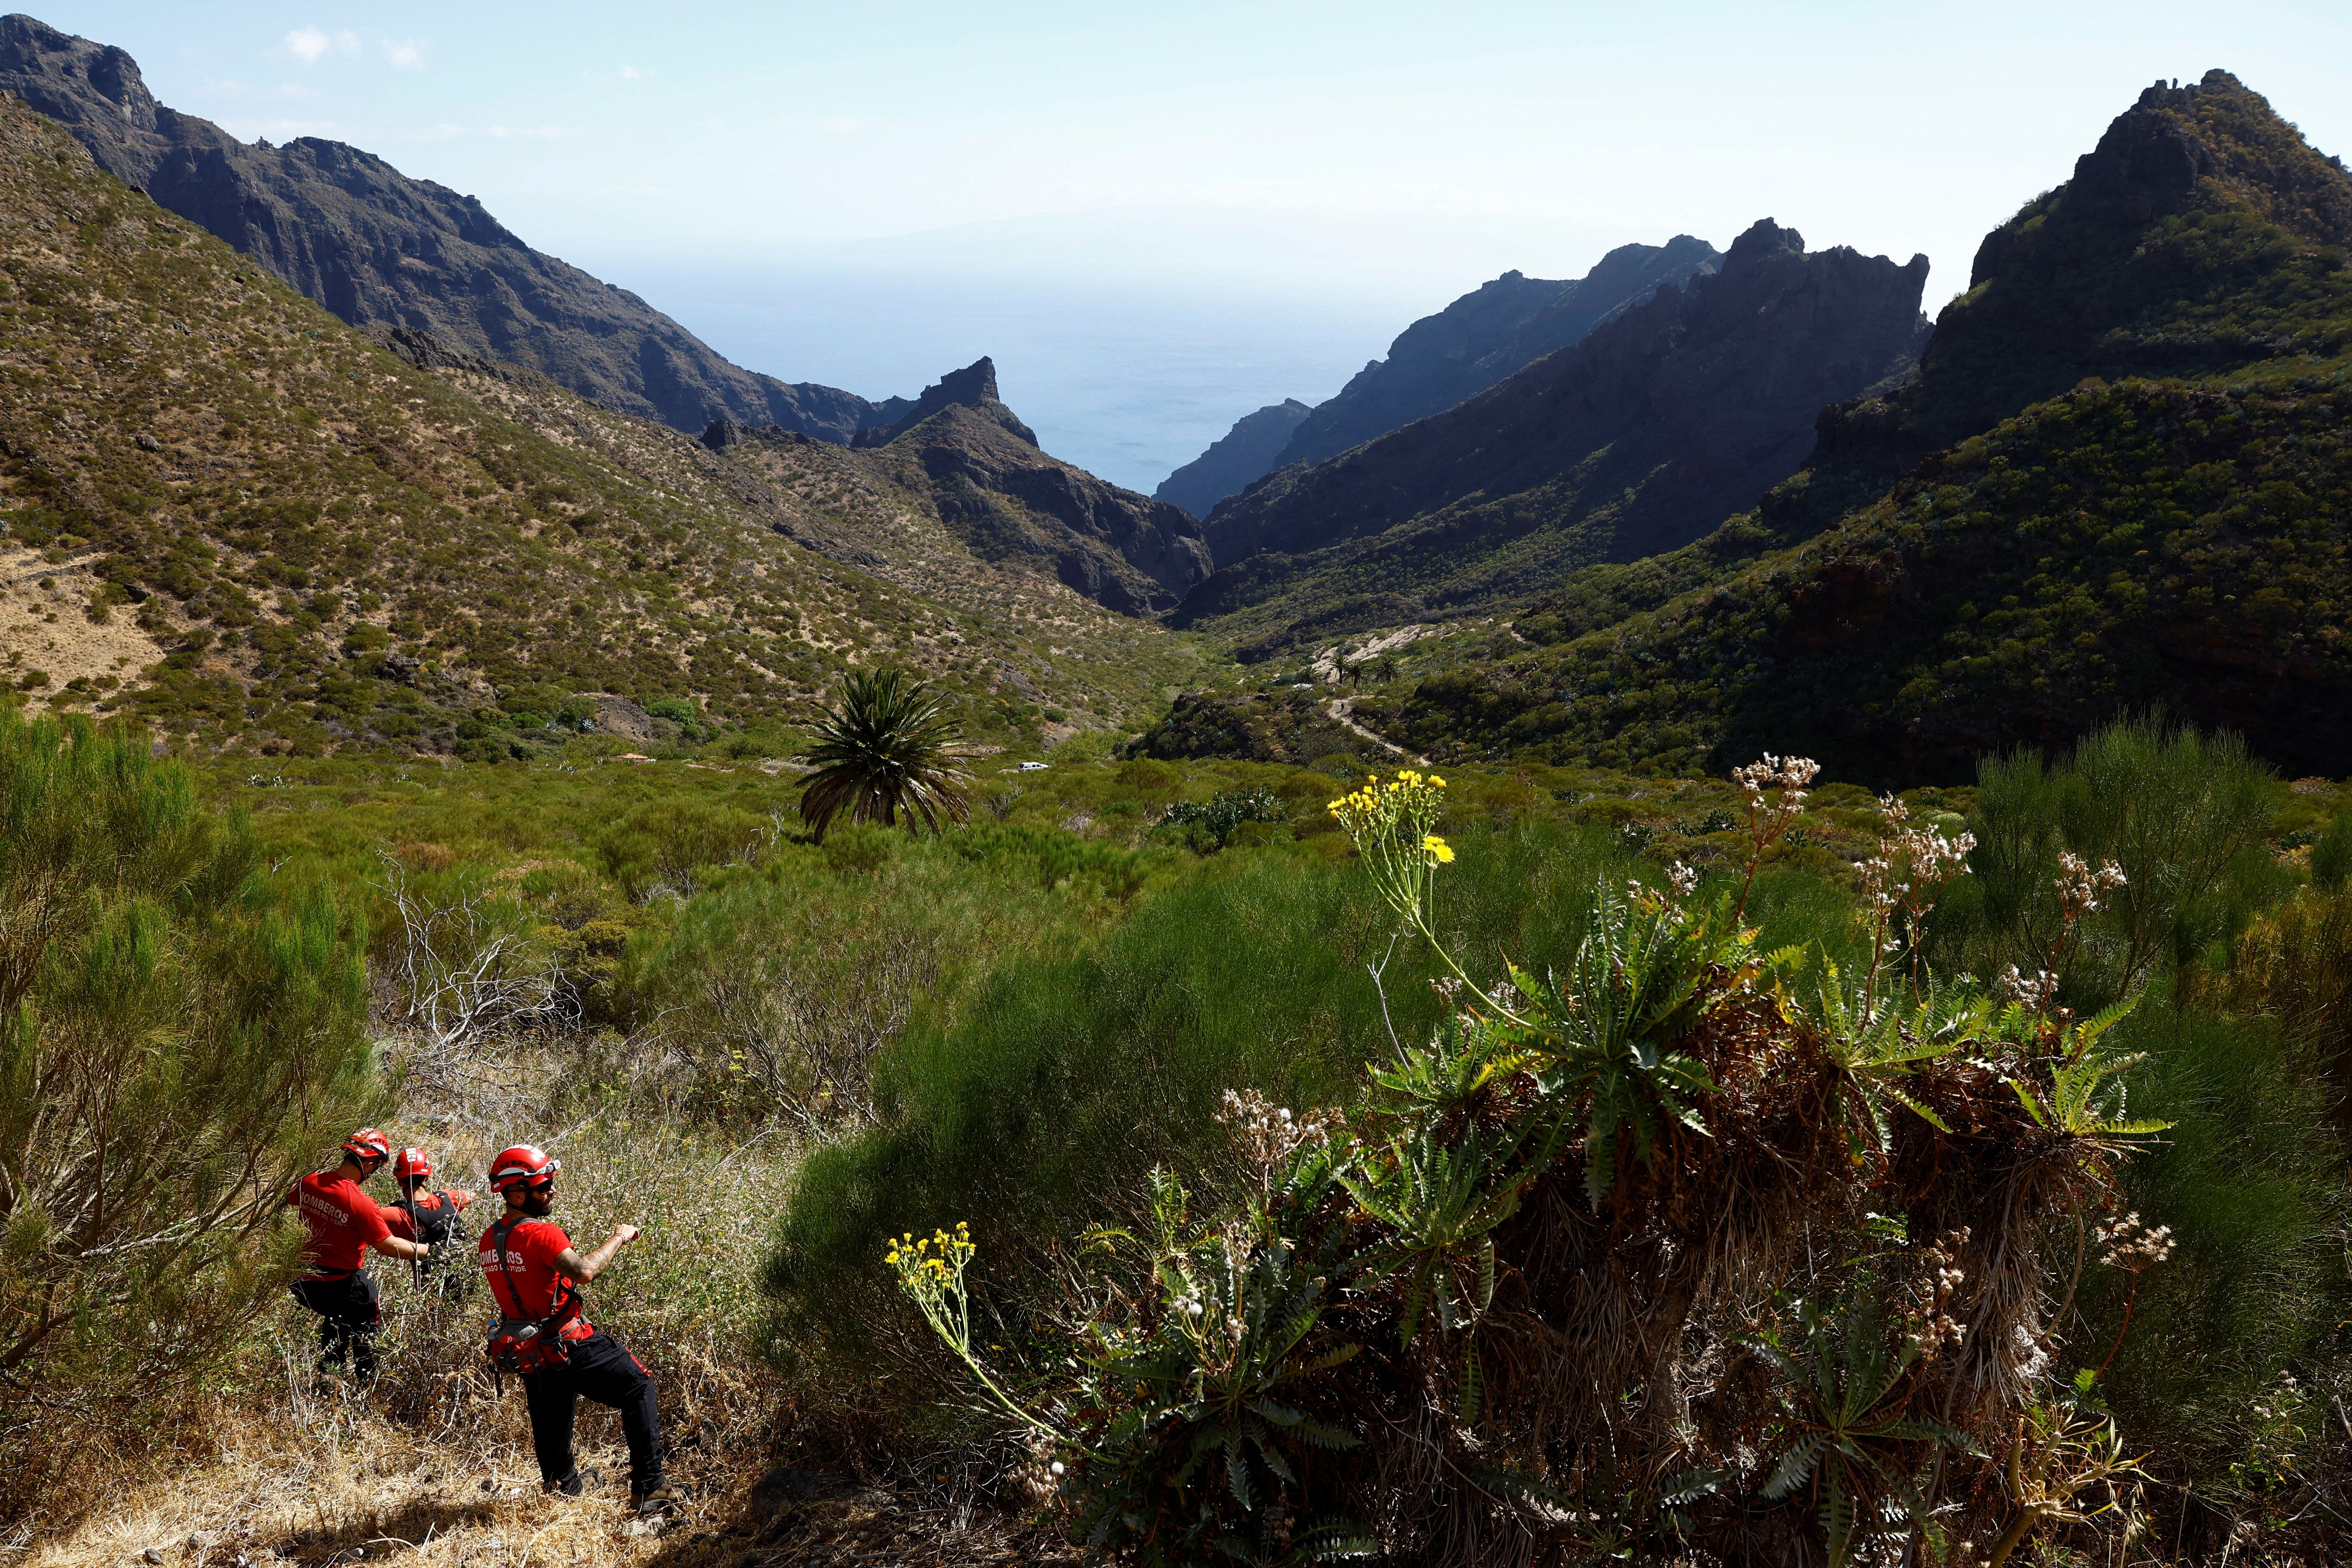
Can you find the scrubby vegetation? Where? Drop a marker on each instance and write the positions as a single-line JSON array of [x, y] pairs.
[[1855, 1135], [1189, 1156]]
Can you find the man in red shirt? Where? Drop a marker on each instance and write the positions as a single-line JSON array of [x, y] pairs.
[[344, 1223], [424, 1214], [535, 1274]]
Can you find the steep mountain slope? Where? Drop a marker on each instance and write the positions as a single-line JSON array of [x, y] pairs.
[[231, 514], [379, 248], [1506, 323], [1638, 439], [1475, 343], [2173, 527], [1243, 453], [1003, 500]]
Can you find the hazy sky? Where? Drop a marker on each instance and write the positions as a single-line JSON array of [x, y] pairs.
[[1346, 166]]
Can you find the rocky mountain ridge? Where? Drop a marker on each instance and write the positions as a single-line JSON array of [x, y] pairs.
[[1243, 453], [381, 249], [2119, 481], [230, 516], [1504, 324], [1639, 438], [1472, 344], [1005, 500]]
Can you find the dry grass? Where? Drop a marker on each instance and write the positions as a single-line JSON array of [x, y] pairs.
[[45, 626]]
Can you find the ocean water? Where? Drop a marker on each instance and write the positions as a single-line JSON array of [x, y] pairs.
[[1128, 381]]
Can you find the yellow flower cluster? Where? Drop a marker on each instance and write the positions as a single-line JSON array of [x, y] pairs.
[[935, 1261], [1377, 805]]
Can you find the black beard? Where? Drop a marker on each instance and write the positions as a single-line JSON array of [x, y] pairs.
[[538, 1205]]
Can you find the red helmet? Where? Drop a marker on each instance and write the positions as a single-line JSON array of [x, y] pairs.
[[368, 1144], [525, 1165], [413, 1163]]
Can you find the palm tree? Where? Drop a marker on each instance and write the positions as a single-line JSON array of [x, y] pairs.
[[883, 750]]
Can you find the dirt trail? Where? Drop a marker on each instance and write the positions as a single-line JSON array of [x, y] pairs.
[[1342, 709]]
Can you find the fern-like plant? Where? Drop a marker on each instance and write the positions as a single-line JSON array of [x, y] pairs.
[[882, 750], [1853, 1437]]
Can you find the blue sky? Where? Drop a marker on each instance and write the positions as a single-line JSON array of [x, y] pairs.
[[1132, 175]]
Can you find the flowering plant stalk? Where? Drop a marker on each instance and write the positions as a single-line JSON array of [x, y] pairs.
[[931, 1272], [1393, 826]]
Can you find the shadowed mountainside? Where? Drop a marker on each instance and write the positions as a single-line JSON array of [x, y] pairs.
[[1243, 453], [1505, 323], [982, 474], [381, 249], [1486, 335], [1639, 438]]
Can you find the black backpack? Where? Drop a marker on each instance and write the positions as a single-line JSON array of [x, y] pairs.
[[435, 1226]]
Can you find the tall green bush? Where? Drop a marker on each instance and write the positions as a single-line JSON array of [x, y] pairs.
[[2182, 815], [180, 1035], [1067, 1077], [773, 992], [2249, 1180]]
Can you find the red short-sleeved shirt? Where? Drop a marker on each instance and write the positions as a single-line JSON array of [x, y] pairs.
[[531, 1249], [342, 1221]]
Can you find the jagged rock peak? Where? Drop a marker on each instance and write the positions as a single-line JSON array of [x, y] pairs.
[[28, 43], [973, 387], [1764, 238]]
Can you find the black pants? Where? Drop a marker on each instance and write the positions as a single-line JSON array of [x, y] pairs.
[[349, 1314], [599, 1369]]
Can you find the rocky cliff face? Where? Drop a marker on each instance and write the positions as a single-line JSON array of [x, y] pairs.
[[1484, 336], [381, 249], [2152, 260], [973, 387], [1006, 499], [1504, 324], [1639, 438], [1244, 454]]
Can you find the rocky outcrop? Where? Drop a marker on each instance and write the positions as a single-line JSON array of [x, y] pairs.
[[1638, 439], [1243, 453], [1484, 336], [1289, 728], [1006, 499], [973, 387], [2113, 486], [381, 249], [997, 494]]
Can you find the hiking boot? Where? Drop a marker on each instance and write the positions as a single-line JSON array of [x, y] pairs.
[[659, 1499], [573, 1485]]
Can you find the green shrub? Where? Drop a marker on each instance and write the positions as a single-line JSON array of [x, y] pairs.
[[1210, 825], [181, 1035], [2331, 856], [2248, 1179], [1066, 1078], [2182, 815], [674, 843], [1632, 1236]]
